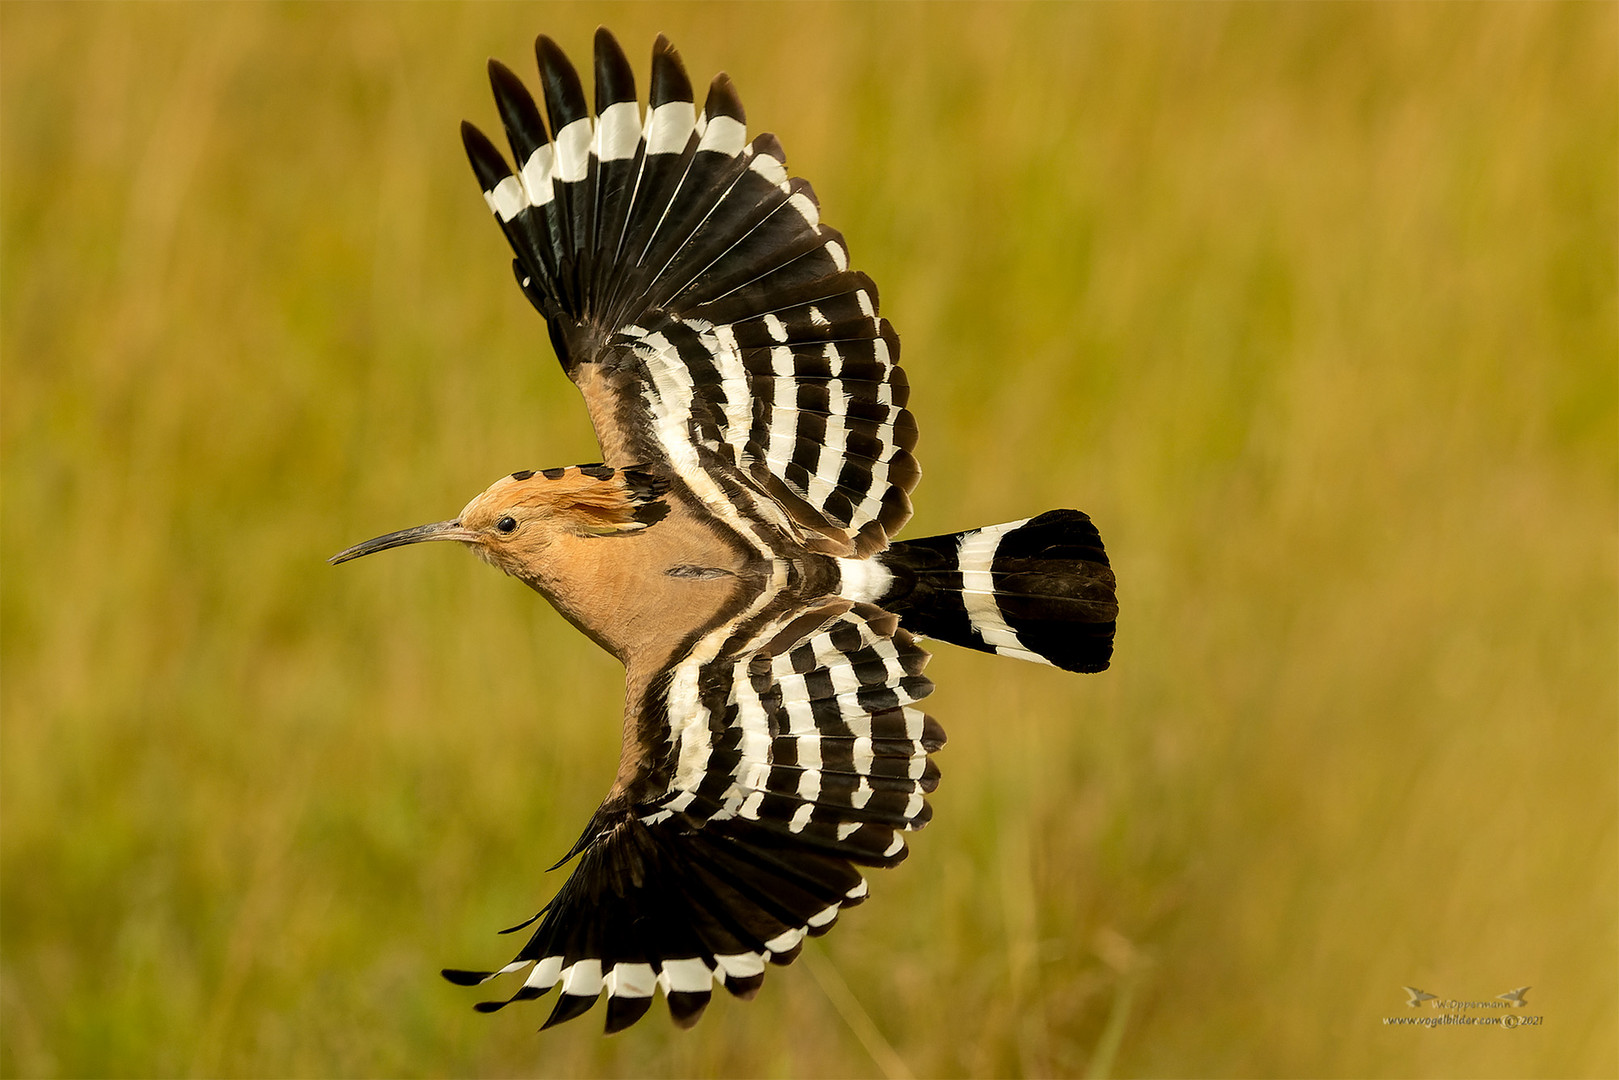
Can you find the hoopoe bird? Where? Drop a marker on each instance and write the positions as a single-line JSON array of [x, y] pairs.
[[733, 550]]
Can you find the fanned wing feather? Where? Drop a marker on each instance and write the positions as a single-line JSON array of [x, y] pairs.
[[794, 758], [678, 228]]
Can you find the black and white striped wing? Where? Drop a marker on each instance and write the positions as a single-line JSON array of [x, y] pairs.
[[693, 294], [791, 760]]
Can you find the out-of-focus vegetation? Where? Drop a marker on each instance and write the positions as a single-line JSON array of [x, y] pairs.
[[1311, 306]]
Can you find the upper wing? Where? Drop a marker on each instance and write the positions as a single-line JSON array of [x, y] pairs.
[[793, 754], [692, 293]]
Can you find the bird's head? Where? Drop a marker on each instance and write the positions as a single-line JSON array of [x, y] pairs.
[[516, 521]]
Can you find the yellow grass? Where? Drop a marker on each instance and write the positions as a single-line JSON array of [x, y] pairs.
[[1312, 307]]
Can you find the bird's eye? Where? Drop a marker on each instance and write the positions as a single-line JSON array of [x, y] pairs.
[[506, 524]]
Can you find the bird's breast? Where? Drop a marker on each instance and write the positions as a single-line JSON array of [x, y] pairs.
[[641, 594]]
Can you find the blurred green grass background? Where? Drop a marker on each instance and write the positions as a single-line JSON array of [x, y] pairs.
[[1312, 307]]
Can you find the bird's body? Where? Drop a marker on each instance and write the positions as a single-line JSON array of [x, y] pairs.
[[734, 548]]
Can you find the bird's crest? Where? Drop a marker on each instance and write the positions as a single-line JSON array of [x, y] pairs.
[[584, 500]]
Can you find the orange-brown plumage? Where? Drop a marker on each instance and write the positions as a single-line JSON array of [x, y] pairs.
[[628, 565]]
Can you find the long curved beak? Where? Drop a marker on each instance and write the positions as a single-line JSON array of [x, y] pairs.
[[439, 530]]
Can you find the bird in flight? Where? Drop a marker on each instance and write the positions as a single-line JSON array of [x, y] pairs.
[[733, 549]]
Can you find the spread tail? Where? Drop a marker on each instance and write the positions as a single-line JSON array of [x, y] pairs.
[[1039, 589]]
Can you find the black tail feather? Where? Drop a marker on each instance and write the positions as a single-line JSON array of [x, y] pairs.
[[1040, 590]]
